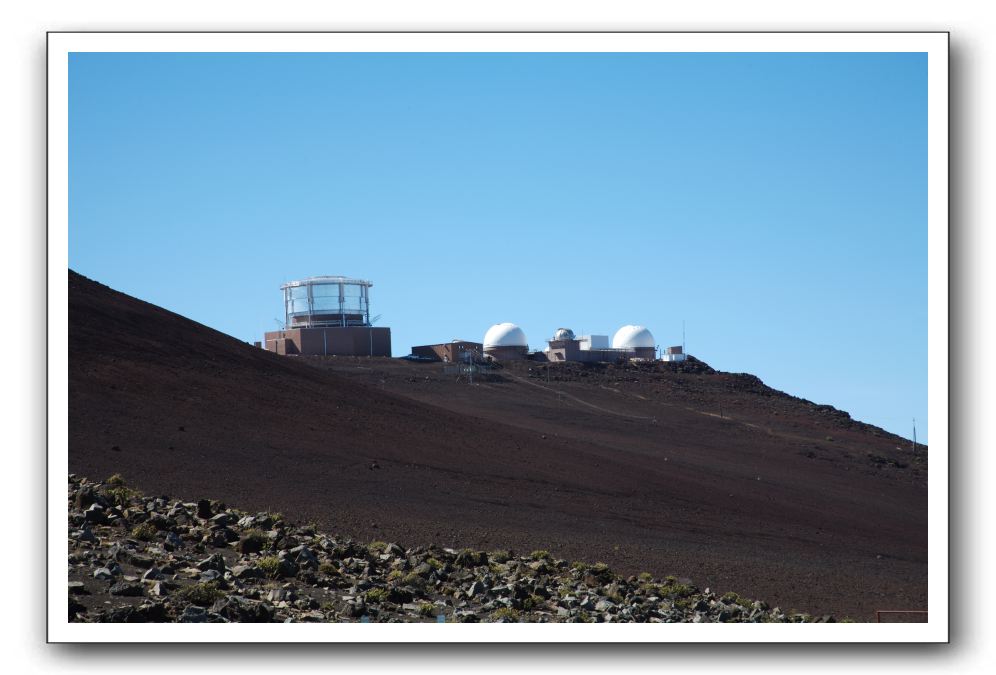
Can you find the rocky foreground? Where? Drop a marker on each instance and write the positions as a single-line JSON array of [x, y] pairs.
[[134, 558]]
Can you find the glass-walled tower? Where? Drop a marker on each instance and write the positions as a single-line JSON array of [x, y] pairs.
[[319, 302]]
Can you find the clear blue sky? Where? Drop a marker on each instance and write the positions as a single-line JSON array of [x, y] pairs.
[[775, 202]]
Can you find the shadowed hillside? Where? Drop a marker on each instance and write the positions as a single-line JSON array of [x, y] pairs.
[[708, 476]]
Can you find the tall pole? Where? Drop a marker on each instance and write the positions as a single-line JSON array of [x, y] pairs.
[[914, 435]]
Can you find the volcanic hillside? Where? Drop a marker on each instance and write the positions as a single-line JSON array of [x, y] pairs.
[[708, 476]]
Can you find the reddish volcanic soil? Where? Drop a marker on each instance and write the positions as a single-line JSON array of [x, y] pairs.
[[712, 477]]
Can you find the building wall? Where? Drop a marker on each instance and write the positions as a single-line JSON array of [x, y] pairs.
[[506, 353], [352, 341], [570, 350], [594, 342], [448, 351]]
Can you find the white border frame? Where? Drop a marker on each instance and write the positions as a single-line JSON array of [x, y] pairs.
[[934, 44]]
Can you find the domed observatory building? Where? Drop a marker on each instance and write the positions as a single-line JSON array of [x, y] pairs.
[[563, 346], [505, 342], [636, 340], [328, 315]]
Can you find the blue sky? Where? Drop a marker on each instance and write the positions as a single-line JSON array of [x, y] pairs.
[[774, 202]]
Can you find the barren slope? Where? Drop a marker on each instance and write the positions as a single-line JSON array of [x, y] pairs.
[[709, 477]]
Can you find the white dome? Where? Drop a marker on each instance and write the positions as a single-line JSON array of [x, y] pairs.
[[505, 335], [563, 334], [631, 337]]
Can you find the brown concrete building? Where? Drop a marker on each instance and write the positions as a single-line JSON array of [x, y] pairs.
[[570, 350], [450, 352], [349, 341]]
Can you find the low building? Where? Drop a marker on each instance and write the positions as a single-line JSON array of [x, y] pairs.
[[451, 352], [630, 342], [674, 354], [331, 341], [589, 342]]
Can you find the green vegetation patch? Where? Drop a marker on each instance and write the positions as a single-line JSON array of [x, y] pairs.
[[270, 565], [203, 594], [506, 613], [144, 532], [500, 556], [376, 595]]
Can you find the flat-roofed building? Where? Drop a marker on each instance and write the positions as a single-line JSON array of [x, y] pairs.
[[451, 352]]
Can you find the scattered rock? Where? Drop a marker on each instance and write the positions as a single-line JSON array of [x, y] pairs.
[[282, 573], [127, 588]]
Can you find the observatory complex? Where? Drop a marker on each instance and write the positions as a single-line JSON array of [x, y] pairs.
[[328, 315], [507, 342], [629, 342]]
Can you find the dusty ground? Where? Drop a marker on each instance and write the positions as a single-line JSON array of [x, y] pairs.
[[711, 477]]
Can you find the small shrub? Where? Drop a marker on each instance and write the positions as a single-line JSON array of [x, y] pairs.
[[540, 554], [412, 579], [645, 577], [426, 609], [270, 565], [115, 481], [434, 564], [121, 495], [468, 557], [376, 595], [505, 613], [677, 590], [394, 575], [203, 594], [579, 566], [144, 532], [532, 602], [500, 556], [377, 547], [329, 569], [732, 598]]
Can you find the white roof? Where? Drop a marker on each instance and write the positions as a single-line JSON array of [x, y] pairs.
[[632, 337], [505, 335], [327, 280]]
